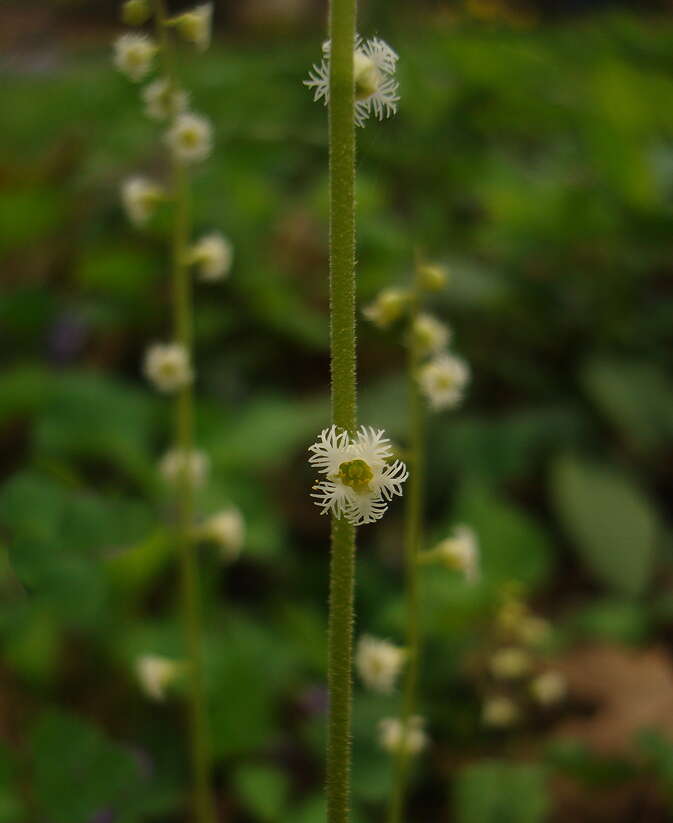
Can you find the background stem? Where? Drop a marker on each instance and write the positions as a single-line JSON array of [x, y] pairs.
[[342, 343]]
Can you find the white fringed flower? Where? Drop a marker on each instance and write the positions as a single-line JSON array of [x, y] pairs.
[[176, 461], [196, 25], [226, 530], [548, 688], [359, 479], [388, 306], [500, 712], [161, 103], [155, 674], [379, 663], [461, 552], [140, 198], [510, 663], [133, 55], [394, 738], [190, 138], [430, 335], [213, 255], [167, 366], [374, 64], [442, 381]]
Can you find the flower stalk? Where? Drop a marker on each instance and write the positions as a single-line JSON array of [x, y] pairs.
[[342, 345]]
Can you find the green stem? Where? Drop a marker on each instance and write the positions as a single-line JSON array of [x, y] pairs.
[[412, 543], [342, 343], [204, 807]]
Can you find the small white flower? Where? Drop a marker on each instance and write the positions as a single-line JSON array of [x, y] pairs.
[[155, 674], [374, 64], [442, 380], [359, 479], [548, 688], [460, 552], [394, 738], [388, 307], [227, 530], [500, 712], [195, 463], [133, 55], [167, 366], [190, 138], [140, 197], [196, 25], [379, 663], [510, 663], [161, 103], [430, 335], [213, 254], [432, 277]]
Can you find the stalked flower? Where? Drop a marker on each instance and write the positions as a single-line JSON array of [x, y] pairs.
[[374, 64], [388, 307], [196, 25], [460, 552], [500, 712], [379, 663], [359, 477], [162, 103], [430, 335], [190, 138], [548, 688], [176, 461], [133, 55], [510, 663], [136, 12], [155, 674], [167, 366], [226, 530], [432, 277], [442, 381], [212, 255], [395, 738], [140, 198]]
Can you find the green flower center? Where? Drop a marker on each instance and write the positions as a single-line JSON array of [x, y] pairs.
[[356, 474], [366, 76]]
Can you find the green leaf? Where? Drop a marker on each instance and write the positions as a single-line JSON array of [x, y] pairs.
[[498, 792], [263, 791], [611, 523]]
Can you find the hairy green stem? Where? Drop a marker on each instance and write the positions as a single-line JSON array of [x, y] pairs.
[[412, 542], [204, 807], [342, 342]]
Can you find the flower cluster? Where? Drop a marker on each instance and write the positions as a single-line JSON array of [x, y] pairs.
[[374, 65], [395, 736], [379, 663], [360, 477]]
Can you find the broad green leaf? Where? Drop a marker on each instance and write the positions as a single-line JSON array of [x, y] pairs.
[[263, 791], [500, 792]]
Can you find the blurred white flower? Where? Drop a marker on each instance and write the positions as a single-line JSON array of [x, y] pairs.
[[510, 663], [226, 530], [442, 381], [176, 461], [379, 663], [387, 307], [394, 738], [359, 479], [133, 55], [161, 103], [155, 674], [213, 255], [500, 712], [430, 335], [548, 688], [167, 366], [190, 138], [374, 64], [431, 276], [461, 552], [140, 198], [196, 25]]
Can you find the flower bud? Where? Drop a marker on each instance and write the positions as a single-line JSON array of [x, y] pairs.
[[136, 12]]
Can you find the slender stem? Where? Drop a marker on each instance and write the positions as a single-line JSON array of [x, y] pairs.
[[342, 341], [412, 543], [204, 807]]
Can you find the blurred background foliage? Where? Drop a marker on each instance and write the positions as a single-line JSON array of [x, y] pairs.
[[534, 157]]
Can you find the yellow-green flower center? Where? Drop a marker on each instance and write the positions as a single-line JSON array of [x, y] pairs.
[[356, 474], [366, 75]]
